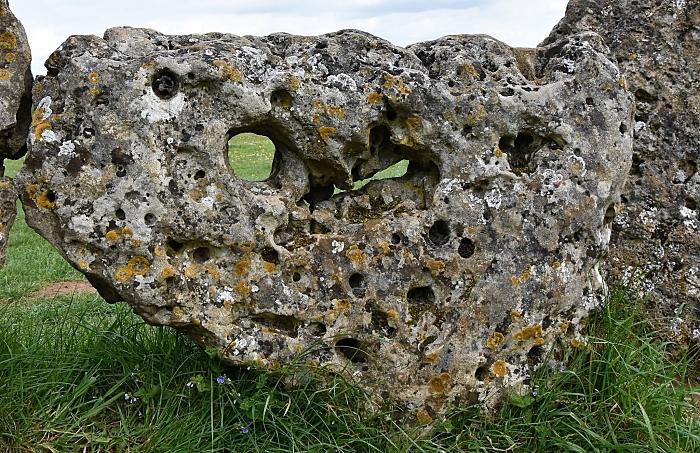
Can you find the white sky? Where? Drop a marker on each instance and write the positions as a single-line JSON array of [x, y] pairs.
[[516, 22]]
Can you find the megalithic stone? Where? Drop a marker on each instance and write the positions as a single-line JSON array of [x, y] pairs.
[[15, 109], [446, 285], [656, 232]]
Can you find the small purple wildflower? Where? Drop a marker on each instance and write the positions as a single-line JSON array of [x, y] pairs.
[[246, 428], [221, 379]]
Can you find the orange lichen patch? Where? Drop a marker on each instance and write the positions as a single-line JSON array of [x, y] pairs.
[[11, 57], [123, 274], [498, 152], [575, 343], [435, 266], [93, 92], [45, 200], [330, 110], [564, 327], [342, 304], [213, 271], [355, 255], [8, 40], [539, 341], [374, 98], [242, 288], [294, 83], [93, 78], [40, 128], [393, 316], [515, 315], [139, 265], [423, 417], [83, 265], [499, 368], [477, 116], [126, 231], [242, 267], [556, 264], [112, 236], [269, 267], [514, 280], [468, 68], [326, 132], [398, 83], [159, 251], [178, 313], [529, 332], [150, 64], [431, 357], [191, 271], [167, 272], [524, 277], [231, 73], [440, 383], [5, 75], [495, 340]]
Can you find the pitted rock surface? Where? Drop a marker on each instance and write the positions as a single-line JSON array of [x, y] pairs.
[[15, 109], [445, 285], [656, 234]]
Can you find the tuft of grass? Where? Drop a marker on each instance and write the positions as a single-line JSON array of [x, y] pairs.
[[250, 156], [79, 373]]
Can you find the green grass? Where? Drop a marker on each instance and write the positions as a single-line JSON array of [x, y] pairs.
[[250, 156], [68, 364]]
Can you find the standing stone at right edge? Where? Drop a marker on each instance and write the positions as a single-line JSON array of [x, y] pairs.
[[15, 109], [656, 234]]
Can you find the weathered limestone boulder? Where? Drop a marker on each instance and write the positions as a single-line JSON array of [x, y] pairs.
[[656, 232], [15, 109], [445, 285]]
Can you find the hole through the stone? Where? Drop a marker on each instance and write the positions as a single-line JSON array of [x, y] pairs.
[[200, 255], [351, 350], [439, 233], [466, 248], [423, 295], [358, 284], [270, 255], [281, 98], [165, 84], [251, 156], [520, 149]]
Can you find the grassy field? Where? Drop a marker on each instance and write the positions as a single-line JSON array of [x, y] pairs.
[[77, 374]]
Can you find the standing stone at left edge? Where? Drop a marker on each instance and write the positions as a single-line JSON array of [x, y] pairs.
[[15, 109]]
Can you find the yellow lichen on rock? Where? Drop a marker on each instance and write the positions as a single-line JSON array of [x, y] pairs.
[[499, 369], [495, 340]]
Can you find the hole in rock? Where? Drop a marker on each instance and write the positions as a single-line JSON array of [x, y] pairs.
[[396, 238], [281, 98], [251, 156], [350, 349], [121, 215], [270, 255], [421, 295], [150, 219], [358, 284], [165, 84], [609, 215], [200, 174], [439, 233], [296, 276], [174, 245], [520, 150], [466, 248], [318, 193], [691, 204], [317, 329], [200, 255], [623, 128], [398, 170], [287, 325], [481, 373]]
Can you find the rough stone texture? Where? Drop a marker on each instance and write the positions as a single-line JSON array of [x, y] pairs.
[[15, 85], [15, 109], [453, 280], [657, 231]]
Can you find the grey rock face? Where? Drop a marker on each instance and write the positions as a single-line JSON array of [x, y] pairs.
[[15, 108], [15, 85], [656, 233], [446, 285]]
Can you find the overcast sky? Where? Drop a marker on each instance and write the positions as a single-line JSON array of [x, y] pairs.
[[517, 22]]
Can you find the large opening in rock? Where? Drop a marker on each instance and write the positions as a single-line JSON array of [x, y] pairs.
[[251, 156]]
